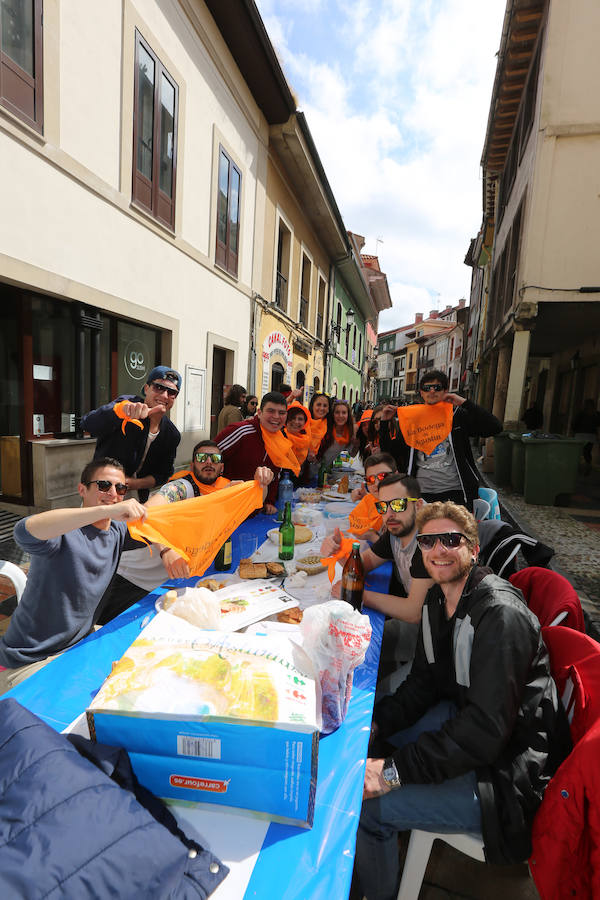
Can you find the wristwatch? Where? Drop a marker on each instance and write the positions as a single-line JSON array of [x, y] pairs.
[[390, 773]]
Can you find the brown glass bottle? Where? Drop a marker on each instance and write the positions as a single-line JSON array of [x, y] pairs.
[[353, 579]]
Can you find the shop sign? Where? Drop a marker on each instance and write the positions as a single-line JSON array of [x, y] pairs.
[[276, 344], [135, 359]]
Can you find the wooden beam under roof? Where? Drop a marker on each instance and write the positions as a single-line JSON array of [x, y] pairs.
[[525, 16], [522, 36], [518, 55]]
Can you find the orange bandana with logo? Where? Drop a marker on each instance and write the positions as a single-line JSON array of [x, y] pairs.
[[217, 485], [280, 450], [118, 411], [318, 427], [364, 516], [330, 561], [425, 426], [197, 528]]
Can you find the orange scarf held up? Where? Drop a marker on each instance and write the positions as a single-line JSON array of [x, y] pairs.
[[280, 450], [318, 427], [330, 561], [364, 516], [197, 528], [118, 411], [424, 426], [217, 485]]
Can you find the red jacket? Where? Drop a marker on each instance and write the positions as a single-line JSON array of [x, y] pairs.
[[565, 861], [244, 450]]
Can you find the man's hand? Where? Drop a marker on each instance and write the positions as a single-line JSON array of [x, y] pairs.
[[264, 476], [136, 410], [454, 399], [358, 493], [175, 565], [270, 510], [294, 395], [125, 511], [331, 544], [374, 785], [388, 412]]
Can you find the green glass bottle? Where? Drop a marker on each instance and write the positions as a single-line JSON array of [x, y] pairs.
[[287, 534], [322, 476], [223, 557]]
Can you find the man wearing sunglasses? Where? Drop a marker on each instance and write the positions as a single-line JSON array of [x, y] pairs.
[[470, 740], [449, 472], [147, 452], [74, 553], [141, 571]]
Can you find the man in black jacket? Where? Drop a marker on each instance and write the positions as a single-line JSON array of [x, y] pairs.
[[482, 727], [449, 472], [146, 450]]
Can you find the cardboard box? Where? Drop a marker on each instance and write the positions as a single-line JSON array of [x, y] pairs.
[[217, 718]]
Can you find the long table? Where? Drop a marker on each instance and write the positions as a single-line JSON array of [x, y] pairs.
[[315, 863]]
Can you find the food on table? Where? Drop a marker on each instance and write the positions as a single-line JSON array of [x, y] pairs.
[[303, 534], [292, 616], [248, 569], [169, 599], [275, 568], [343, 485], [310, 564], [311, 497], [211, 584]]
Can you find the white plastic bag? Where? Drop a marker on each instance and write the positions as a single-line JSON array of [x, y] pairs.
[[198, 606], [335, 637]]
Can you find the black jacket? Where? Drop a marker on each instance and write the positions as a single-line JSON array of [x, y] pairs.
[[469, 420], [128, 448], [510, 727]]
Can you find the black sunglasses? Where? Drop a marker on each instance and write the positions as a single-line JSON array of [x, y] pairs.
[[104, 485], [432, 387], [371, 479], [398, 505], [214, 457], [448, 539], [163, 389]]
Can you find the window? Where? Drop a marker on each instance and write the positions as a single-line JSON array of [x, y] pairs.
[[21, 59], [154, 135], [284, 240], [228, 214], [305, 291], [320, 308]]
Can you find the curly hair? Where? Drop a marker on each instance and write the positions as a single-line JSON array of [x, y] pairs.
[[448, 510]]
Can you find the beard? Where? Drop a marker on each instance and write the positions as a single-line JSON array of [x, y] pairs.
[[456, 573], [402, 530], [206, 479]]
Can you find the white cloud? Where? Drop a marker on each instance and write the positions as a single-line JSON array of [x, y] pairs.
[[399, 118]]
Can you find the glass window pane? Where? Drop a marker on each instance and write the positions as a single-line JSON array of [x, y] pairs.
[[222, 198], [16, 28], [53, 335], [136, 356], [145, 125], [167, 135], [234, 210]]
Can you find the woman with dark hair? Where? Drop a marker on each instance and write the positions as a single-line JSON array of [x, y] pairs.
[[339, 435], [362, 434], [231, 411], [250, 406]]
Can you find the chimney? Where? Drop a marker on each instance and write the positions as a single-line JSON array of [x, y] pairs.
[[433, 314], [447, 307], [418, 318], [461, 303]]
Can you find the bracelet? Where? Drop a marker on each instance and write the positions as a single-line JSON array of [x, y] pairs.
[[166, 550]]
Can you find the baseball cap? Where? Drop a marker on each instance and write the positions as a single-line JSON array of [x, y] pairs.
[[165, 372]]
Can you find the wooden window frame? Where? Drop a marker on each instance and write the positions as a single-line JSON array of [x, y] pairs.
[[147, 193], [23, 82], [225, 257]]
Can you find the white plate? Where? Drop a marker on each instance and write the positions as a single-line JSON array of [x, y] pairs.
[[338, 498]]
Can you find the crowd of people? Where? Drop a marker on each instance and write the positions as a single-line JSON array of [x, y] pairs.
[[468, 728]]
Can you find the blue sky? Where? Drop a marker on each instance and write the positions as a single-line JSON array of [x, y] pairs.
[[396, 94]]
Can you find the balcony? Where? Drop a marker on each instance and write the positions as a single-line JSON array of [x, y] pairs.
[[281, 291], [304, 311]]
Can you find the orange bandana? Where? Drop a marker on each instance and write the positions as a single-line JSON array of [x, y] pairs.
[[197, 528], [280, 450], [318, 427], [364, 516], [330, 561], [425, 426], [217, 485], [300, 442], [118, 411], [344, 438]]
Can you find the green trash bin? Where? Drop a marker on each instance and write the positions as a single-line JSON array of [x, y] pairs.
[[517, 464], [502, 458], [550, 468]]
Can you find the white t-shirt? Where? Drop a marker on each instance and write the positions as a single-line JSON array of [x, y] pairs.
[[437, 472]]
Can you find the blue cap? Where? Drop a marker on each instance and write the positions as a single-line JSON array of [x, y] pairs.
[[165, 372]]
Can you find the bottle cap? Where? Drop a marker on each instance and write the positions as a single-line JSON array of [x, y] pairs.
[[355, 544]]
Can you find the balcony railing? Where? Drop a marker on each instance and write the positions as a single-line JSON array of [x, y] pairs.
[[304, 311], [281, 291]]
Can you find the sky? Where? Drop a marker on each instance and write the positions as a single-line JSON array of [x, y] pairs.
[[396, 94]]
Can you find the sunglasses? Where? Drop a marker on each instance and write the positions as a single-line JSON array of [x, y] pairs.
[[214, 457], [432, 387], [398, 505], [449, 539], [163, 389], [372, 479], [104, 485]]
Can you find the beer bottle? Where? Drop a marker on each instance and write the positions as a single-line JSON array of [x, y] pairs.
[[223, 557], [287, 534], [353, 579], [322, 476]]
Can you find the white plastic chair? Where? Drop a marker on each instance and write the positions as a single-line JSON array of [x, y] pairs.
[[419, 850], [14, 574]]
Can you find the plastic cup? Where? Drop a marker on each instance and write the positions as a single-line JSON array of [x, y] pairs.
[[247, 545]]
